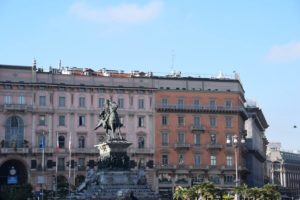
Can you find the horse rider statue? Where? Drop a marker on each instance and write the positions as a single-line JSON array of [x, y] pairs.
[[110, 120]]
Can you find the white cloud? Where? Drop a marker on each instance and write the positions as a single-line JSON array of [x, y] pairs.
[[123, 13], [284, 52]]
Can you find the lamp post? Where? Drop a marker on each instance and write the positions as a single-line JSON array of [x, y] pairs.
[[236, 143]]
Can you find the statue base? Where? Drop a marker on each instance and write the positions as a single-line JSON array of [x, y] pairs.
[[114, 179]]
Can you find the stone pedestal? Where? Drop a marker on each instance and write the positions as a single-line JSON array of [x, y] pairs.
[[114, 179]]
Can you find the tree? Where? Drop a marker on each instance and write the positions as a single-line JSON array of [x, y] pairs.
[[180, 193]]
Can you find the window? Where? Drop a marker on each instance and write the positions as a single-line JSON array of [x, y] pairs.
[[212, 104], [229, 179], [81, 121], [165, 159], [61, 164], [21, 100], [41, 141], [229, 140], [42, 120], [213, 122], [81, 102], [101, 102], [213, 138], [164, 120], [196, 121], [61, 141], [197, 160], [7, 99], [164, 102], [213, 160], [228, 122], [141, 104], [131, 101], [181, 159], [180, 103], [141, 121], [196, 103], [229, 161], [228, 104], [61, 120], [81, 142], [181, 138], [121, 103], [61, 101], [214, 179], [197, 138], [42, 101], [81, 164], [180, 120], [165, 139], [141, 142]]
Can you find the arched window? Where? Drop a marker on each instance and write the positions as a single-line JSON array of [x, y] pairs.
[[61, 141], [141, 142], [14, 132], [81, 142]]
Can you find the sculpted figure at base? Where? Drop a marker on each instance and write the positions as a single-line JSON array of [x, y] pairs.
[[109, 120]]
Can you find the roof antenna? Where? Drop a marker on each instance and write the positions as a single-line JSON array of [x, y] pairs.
[[34, 64], [59, 65]]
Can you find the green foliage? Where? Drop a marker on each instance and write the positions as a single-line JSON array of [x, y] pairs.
[[267, 192], [207, 191]]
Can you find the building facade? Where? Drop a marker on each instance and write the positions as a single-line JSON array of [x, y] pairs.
[[283, 169], [256, 142], [195, 122], [48, 119], [181, 128]]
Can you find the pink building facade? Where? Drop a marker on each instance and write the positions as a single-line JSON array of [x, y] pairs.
[[59, 112]]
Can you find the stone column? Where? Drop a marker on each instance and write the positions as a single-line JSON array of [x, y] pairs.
[[50, 130]]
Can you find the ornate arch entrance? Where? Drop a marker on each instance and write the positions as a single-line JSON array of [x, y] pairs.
[[13, 172]]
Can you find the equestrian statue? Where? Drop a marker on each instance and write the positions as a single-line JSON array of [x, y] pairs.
[[110, 120]]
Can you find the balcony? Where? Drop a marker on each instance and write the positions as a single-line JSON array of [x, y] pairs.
[[40, 150], [182, 146], [14, 150], [214, 146], [202, 109], [85, 150], [147, 151], [228, 168], [16, 108], [164, 166], [197, 128]]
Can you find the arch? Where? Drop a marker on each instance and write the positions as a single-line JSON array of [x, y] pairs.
[[14, 132], [21, 174]]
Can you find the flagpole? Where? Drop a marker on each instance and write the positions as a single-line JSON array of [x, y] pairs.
[[70, 158], [56, 167], [43, 161]]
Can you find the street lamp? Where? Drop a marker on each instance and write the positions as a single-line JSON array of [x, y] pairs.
[[236, 142]]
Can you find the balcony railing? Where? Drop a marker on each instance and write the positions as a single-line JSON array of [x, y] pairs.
[[197, 127], [17, 107], [14, 150], [40, 150], [141, 151], [182, 146], [85, 150], [191, 108], [214, 146]]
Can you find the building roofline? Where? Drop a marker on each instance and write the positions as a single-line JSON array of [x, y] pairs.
[[15, 67]]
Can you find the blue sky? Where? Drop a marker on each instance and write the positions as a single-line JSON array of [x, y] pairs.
[[258, 39]]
